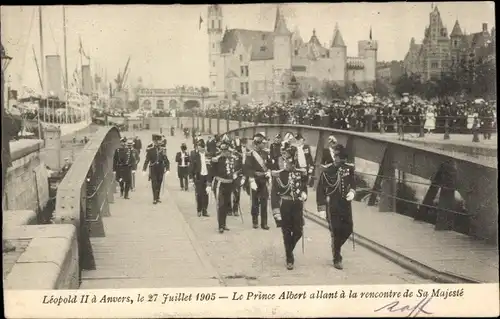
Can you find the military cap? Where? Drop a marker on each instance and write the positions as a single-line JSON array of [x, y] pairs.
[[299, 136], [259, 138], [183, 145], [123, 139], [130, 142], [331, 139], [156, 137]]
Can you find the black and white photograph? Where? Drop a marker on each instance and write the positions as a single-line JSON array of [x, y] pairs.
[[251, 158]]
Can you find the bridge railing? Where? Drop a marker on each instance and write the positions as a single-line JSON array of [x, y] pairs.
[[440, 174], [84, 195]]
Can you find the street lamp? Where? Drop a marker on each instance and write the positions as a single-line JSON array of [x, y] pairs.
[[6, 245]]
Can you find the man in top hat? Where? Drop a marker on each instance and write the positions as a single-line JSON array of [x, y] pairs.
[[275, 151], [259, 175], [158, 163], [335, 191], [224, 171], [182, 159], [199, 169], [304, 156], [123, 161], [329, 152], [130, 145]]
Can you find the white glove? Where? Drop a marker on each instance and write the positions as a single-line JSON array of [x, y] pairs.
[[303, 196], [310, 170], [268, 174], [350, 196], [242, 182], [133, 172], [253, 185], [208, 189]]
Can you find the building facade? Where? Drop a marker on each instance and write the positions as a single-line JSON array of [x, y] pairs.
[[259, 65], [441, 53]]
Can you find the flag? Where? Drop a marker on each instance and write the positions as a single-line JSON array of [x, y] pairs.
[[370, 33], [201, 21]]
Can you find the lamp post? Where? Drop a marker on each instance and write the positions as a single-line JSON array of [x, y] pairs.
[[6, 245]]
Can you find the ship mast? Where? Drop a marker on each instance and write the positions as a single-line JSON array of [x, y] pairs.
[[65, 63]]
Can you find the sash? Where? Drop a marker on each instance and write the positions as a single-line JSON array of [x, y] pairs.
[[259, 160]]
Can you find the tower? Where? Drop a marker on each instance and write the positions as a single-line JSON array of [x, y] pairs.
[[456, 37], [338, 56], [282, 56], [214, 30], [370, 60]]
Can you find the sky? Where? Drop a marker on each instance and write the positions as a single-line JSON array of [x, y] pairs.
[[167, 48]]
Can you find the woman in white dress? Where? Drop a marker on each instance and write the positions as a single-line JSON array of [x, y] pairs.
[[430, 119], [470, 118]]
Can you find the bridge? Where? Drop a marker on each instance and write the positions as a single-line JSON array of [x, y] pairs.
[[172, 99], [116, 243]]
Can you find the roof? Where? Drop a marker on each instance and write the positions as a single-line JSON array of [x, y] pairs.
[[456, 30], [337, 38], [280, 24], [261, 43]]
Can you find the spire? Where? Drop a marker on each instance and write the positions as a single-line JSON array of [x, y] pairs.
[[456, 30], [280, 24], [337, 38]]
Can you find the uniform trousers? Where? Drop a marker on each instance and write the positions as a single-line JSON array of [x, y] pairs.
[[124, 178], [236, 195], [259, 202], [292, 223], [200, 185], [339, 216], [182, 173], [156, 181], [224, 191]]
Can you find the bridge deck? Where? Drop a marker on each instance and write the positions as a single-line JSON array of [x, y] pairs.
[[165, 245]]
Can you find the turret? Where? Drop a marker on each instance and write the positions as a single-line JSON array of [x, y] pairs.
[[214, 30], [282, 43], [370, 48], [456, 36], [338, 55]]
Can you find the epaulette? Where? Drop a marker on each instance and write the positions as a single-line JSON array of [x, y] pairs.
[[276, 173]]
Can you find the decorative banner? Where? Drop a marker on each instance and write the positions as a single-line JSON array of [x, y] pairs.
[[468, 300]]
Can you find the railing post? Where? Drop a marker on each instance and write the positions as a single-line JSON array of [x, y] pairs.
[[387, 173], [446, 128]]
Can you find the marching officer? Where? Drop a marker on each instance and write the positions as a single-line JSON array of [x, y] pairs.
[[130, 144], [259, 175], [158, 163], [225, 174], [182, 159], [275, 151], [336, 190], [123, 161], [289, 191], [199, 169]]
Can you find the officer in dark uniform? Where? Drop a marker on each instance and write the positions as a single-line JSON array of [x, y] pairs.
[[259, 175], [138, 147], [288, 193], [130, 144], [224, 171], [275, 152], [200, 172], [182, 159], [212, 145], [123, 160], [158, 163], [336, 190]]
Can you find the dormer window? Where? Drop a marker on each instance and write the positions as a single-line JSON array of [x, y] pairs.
[[262, 48]]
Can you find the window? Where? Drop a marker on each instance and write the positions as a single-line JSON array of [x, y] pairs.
[[241, 57], [242, 88], [246, 70], [296, 52], [246, 88], [213, 24], [213, 64], [242, 70], [262, 48], [434, 65], [213, 45], [219, 25]]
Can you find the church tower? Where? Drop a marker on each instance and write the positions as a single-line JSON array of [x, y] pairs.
[[370, 60], [282, 57], [216, 67]]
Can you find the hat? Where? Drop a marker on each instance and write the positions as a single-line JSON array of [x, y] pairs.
[[201, 143], [331, 139], [341, 151], [183, 146], [224, 145], [299, 136], [278, 135], [258, 138], [123, 139], [130, 142], [156, 137]]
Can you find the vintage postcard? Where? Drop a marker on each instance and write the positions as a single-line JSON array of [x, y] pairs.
[[250, 160]]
